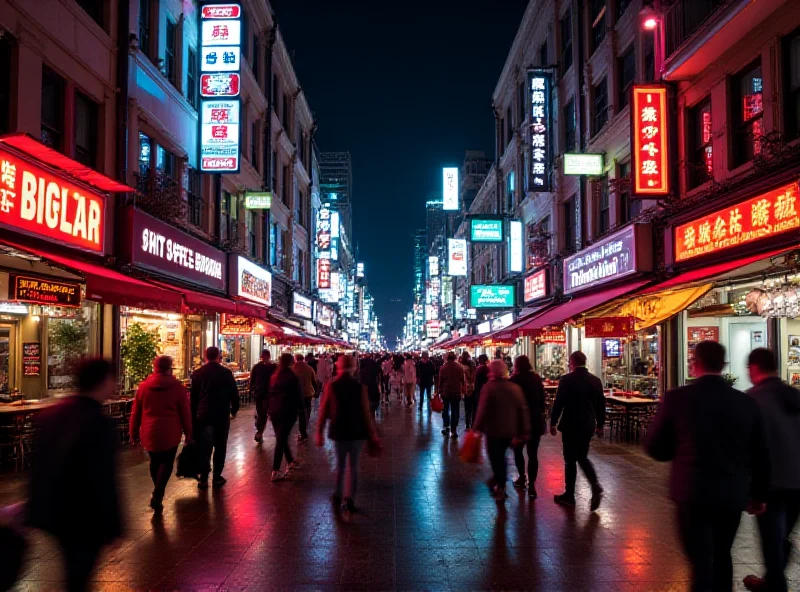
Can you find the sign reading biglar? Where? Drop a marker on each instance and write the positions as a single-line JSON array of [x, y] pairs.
[[250, 281], [494, 296], [756, 218], [535, 285], [540, 85], [450, 188], [456, 256], [220, 83], [650, 149], [45, 205]]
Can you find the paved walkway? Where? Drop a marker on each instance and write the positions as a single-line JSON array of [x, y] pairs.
[[427, 524]]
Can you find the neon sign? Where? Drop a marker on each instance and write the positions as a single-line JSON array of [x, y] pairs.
[[650, 148], [540, 85]]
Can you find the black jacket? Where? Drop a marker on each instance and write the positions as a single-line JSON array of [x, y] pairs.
[[369, 376], [285, 397], [481, 378], [260, 376], [580, 405], [73, 488], [426, 373], [533, 390], [214, 393], [714, 436]]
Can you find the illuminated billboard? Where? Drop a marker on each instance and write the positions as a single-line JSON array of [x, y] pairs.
[[456, 257], [491, 296], [486, 231], [516, 260], [450, 188], [650, 128]]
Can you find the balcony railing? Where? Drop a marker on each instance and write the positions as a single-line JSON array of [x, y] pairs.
[[684, 17], [159, 194]]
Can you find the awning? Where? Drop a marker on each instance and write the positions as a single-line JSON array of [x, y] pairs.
[[250, 310], [199, 301], [651, 308], [109, 286], [513, 330]]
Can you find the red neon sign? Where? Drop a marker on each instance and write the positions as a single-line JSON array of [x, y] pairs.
[[759, 217], [324, 273], [224, 84], [40, 203], [609, 326], [650, 149], [535, 285], [222, 11]]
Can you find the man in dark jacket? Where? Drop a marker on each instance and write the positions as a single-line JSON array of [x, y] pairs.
[[780, 407], [452, 385], [285, 405], [481, 377], [579, 412], [215, 399], [260, 376], [426, 375], [714, 436], [73, 490], [533, 390]]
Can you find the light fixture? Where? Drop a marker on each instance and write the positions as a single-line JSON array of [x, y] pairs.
[[650, 23], [36, 318]]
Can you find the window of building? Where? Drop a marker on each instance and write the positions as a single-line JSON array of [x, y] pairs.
[[566, 42], [86, 117], [275, 95], [287, 186], [543, 58], [627, 71], [52, 110], [254, 143], [509, 125], [254, 65], [597, 15], [748, 112], [5, 83], [191, 78], [145, 27], [622, 6], [570, 217], [301, 268], [701, 164], [274, 171], [600, 94], [145, 154], [502, 132], [224, 216], [792, 84], [629, 208], [251, 221], [296, 266], [570, 125], [285, 115], [510, 191], [94, 8], [603, 205], [170, 51], [194, 197], [300, 208], [166, 162], [521, 101], [649, 58]]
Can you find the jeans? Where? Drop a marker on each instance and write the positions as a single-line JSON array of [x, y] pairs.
[[80, 558], [775, 526], [576, 450], [470, 408], [161, 464], [707, 533], [451, 413], [212, 436], [282, 431], [344, 449], [533, 459], [496, 451], [305, 417], [425, 392]]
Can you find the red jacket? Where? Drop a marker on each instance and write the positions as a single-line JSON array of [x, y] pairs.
[[160, 413]]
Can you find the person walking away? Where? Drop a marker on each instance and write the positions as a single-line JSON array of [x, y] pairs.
[[160, 413], [533, 391], [452, 385], [308, 387], [409, 379], [397, 381], [386, 377], [312, 361], [285, 405], [260, 376], [469, 392], [780, 408], [73, 487], [481, 378], [579, 412], [369, 376], [426, 375], [714, 436], [215, 400], [504, 418], [345, 405]]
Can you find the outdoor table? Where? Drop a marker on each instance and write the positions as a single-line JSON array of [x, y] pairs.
[[629, 403]]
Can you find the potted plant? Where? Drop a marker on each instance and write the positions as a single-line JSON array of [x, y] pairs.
[[138, 349]]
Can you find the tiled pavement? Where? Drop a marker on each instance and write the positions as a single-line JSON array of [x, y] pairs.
[[427, 523]]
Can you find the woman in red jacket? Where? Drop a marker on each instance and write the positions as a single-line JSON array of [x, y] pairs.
[[160, 413]]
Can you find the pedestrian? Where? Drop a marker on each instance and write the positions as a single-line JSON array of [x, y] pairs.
[[452, 385], [308, 387], [73, 488], [504, 418], [469, 391], [533, 391], [312, 361], [345, 404], [386, 377], [409, 380], [285, 405], [397, 380], [780, 408], [579, 412], [426, 374], [324, 370], [369, 376], [260, 376], [215, 401], [481, 378], [714, 436], [160, 413]]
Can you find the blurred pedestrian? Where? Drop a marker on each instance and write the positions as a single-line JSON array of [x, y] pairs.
[[481, 378], [469, 390], [324, 369], [311, 360], [386, 377], [426, 374], [533, 391], [285, 405], [345, 404], [504, 418], [397, 379], [308, 387], [73, 487], [452, 386], [260, 376], [369, 376], [579, 412], [215, 400], [160, 413], [409, 380], [714, 436]]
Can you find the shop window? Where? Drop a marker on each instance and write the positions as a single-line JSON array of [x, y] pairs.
[[194, 197], [748, 112], [603, 205], [273, 245], [570, 225], [86, 115], [701, 165], [626, 65], [565, 26], [792, 84], [600, 94], [191, 78], [5, 83], [649, 58], [145, 27], [543, 54], [94, 8], [52, 110], [224, 216], [570, 126], [166, 162], [170, 51], [629, 207], [598, 22], [70, 337], [149, 327], [252, 225], [622, 6]]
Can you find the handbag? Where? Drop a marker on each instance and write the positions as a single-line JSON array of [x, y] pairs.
[[188, 462], [471, 448], [437, 404]]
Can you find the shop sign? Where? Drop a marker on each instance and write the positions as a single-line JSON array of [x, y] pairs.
[[650, 130], [555, 335], [257, 200], [31, 358], [219, 136], [432, 312], [42, 291], [250, 281], [486, 231], [324, 234], [583, 164], [433, 329], [223, 84], [515, 251], [43, 204], [450, 188], [535, 285], [301, 306], [456, 257], [540, 83], [325, 315], [157, 246], [484, 327], [503, 321], [359, 270], [491, 296], [242, 325], [609, 326], [433, 265], [324, 273], [14, 308], [760, 217], [627, 252]]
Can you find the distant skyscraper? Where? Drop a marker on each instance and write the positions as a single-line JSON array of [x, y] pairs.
[[435, 221], [420, 262], [473, 174], [336, 185]]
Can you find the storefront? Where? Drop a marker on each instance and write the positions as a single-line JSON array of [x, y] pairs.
[[250, 285]]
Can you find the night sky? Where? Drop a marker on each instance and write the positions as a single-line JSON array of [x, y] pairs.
[[406, 88]]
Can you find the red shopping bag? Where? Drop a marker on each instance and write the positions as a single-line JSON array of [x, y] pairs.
[[471, 448], [437, 404]]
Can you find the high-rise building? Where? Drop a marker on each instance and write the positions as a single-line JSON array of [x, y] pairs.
[[336, 172], [435, 221], [473, 173], [420, 261]]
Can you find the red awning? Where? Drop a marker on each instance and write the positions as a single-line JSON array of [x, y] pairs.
[[200, 301], [31, 147], [109, 286], [512, 331], [250, 310]]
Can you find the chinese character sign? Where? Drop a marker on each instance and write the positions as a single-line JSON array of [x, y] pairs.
[[539, 86], [535, 285], [324, 273], [219, 136], [450, 188], [759, 217], [649, 127]]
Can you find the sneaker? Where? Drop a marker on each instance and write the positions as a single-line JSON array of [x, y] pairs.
[[597, 497], [754, 583], [565, 500], [277, 476], [445, 432], [532, 494], [259, 437], [219, 481], [202, 483], [454, 435], [521, 483]]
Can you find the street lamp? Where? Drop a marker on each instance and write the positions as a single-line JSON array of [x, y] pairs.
[[653, 20]]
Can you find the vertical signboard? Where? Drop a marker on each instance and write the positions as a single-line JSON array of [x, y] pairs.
[[540, 84], [457, 256], [220, 70], [324, 274], [649, 127], [450, 188], [516, 262]]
